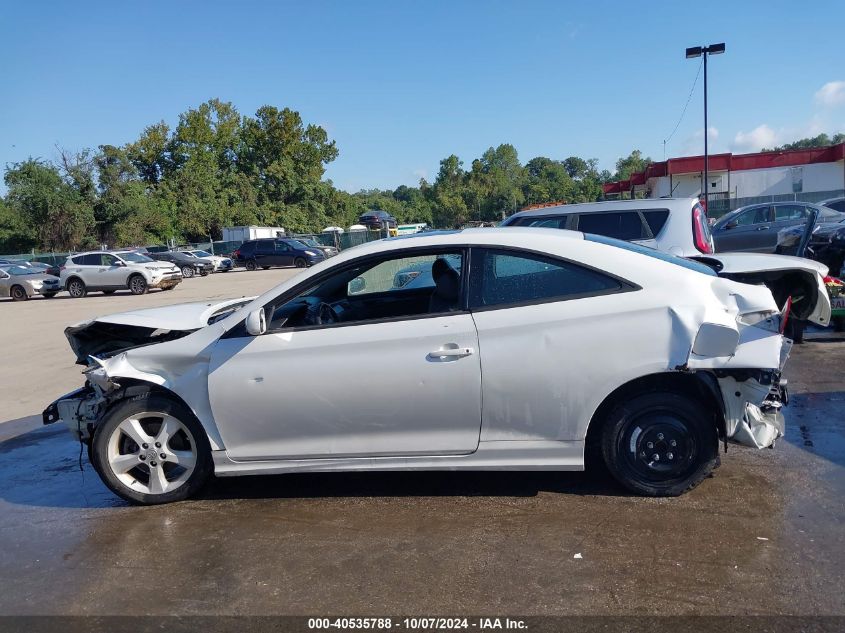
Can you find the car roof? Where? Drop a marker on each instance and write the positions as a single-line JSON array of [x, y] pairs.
[[610, 205]]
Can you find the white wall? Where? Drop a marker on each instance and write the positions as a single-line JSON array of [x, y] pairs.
[[778, 180]]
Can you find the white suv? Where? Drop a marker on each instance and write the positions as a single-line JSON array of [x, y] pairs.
[[115, 270], [671, 225]]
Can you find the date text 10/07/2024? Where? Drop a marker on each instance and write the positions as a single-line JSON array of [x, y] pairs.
[[418, 623]]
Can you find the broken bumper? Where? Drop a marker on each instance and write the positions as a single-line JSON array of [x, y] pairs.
[[753, 408], [76, 409]]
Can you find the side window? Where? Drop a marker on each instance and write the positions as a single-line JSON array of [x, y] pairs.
[[108, 260], [387, 288], [757, 215], [558, 222], [623, 225], [837, 206], [91, 260], [282, 247], [265, 247], [784, 212], [501, 278], [79, 260]]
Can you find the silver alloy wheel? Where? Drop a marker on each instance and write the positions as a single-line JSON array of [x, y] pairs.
[[76, 289], [152, 453], [187, 272], [137, 285]]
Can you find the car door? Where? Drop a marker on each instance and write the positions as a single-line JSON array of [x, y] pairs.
[[748, 231], [265, 253], [785, 215], [368, 385], [5, 283], [284, 254], [112, 271], [543, 330]]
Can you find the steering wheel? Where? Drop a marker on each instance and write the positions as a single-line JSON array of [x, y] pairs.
[[320, 314]]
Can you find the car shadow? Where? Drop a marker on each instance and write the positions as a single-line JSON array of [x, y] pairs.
[[43, 466]]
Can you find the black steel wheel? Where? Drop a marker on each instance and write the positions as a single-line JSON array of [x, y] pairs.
[[300, 262], [660, 444]]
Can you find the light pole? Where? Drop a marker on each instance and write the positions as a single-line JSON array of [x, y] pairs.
[[698, 51]]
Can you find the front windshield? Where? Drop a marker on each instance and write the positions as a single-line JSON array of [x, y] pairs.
[[135, 258]]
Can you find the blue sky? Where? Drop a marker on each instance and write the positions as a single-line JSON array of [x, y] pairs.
[[400, 85]]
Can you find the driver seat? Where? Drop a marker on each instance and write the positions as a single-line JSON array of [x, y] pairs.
[[447, 287]]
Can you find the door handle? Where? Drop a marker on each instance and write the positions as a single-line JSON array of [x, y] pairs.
[[452, 352], [762, 228]]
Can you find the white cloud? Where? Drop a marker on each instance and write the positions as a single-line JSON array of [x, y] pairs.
[[831, 94], [694, 145], [755, 140]]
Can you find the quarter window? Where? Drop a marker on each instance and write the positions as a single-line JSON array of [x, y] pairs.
[[508, 278], [784, 212]]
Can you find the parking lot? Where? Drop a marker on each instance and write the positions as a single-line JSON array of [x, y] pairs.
[[763, 536]]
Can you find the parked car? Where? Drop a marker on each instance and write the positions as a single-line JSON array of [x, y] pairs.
[[754, 228], [374, 219], [310, 242], [823, 242], [188, 264], [221, 264], [264, 253], [673, 225], [22, 282], [110, 271], [837, 204], [587, 342]]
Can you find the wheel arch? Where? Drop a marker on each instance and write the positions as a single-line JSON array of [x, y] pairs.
[[700, 385], [135, 387], [72, 278]]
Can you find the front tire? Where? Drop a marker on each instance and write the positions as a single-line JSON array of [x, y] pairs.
[[137, 285], [187, 272], [300, 262], [659, 444], [18, 293], [76, 288], [129, 443]]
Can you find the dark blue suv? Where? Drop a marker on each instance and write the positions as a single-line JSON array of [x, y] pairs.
[[268, 252]]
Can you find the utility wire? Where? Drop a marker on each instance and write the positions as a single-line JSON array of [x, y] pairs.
[[686, 105]]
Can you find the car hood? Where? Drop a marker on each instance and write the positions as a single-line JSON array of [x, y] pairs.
[[36, 277], [124, 330]]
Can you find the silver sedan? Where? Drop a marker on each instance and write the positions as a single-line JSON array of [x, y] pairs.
[[21, 283]]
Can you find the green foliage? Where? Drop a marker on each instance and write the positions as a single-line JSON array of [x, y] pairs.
[[217, 168], [631, 164], [822, 140]]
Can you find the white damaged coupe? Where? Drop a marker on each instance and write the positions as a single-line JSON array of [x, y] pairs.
[[482, 349]]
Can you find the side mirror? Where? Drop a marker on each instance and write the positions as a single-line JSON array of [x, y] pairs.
[[731, 225], [256, 322]]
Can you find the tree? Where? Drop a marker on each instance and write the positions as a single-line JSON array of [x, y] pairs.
[[631, 164], [55, 211], [822, 140]]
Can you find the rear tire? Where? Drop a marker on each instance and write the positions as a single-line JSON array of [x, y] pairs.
[[134, 470], [250, 265], [76, 288], [659, 444], [18, 293], [137, 285], [795, 330]]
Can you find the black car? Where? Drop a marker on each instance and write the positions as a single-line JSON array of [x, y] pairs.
[[268, 252], [374, 219], [190, 265]]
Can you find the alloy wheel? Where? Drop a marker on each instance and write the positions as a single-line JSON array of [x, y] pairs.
[[152, 453]]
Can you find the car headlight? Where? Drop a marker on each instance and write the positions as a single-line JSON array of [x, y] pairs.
[[36, 283], [312, 253]]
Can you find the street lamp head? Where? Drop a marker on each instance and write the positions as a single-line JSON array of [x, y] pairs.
[[716, 49], [695, 51]]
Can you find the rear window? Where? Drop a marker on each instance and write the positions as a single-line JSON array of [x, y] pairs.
[[622, 225], [650, 252]]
